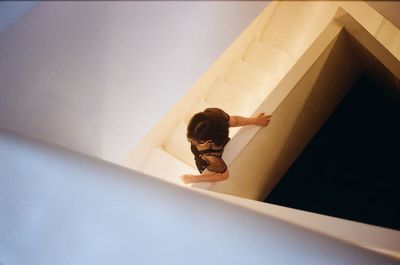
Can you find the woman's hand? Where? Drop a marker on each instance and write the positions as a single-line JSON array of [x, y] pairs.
[[263, 120], [187, 179], [206, 176]]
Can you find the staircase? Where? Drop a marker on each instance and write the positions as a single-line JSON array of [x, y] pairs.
[[296, 61], [257, 73]]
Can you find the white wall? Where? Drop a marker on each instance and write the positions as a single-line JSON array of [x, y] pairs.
[[96, 76], [61, 207]]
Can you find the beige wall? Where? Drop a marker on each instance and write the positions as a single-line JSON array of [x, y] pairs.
[[266, 158], [389, 9]]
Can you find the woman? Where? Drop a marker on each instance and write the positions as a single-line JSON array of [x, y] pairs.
[[208, 133]]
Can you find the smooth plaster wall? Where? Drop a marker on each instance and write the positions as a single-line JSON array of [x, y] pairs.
[[62, 207], [97, 76]]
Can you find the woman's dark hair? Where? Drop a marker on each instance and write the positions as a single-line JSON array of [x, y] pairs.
[[207, 125]]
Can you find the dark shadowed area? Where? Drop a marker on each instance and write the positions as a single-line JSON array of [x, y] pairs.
[[350, 169]]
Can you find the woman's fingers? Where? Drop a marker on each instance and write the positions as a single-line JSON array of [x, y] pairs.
[[263, 120], [186, 179], [264, 115]]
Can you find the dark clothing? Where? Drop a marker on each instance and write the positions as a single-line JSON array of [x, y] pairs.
[[209, 155]]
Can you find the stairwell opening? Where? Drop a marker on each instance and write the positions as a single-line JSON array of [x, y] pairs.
[[350, 169]]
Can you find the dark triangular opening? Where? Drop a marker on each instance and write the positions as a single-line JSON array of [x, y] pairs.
[[350, 168]]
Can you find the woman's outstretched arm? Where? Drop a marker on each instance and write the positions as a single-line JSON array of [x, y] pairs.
[[259, 120]]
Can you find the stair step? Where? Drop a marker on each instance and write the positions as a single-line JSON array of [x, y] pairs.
[[389, 36], [177, 145], [232, 99], [268, 58], [296, 23], [251, 78], [168, 167]]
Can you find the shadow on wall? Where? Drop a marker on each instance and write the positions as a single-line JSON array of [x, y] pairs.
[[389, 9], [309, 104]]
